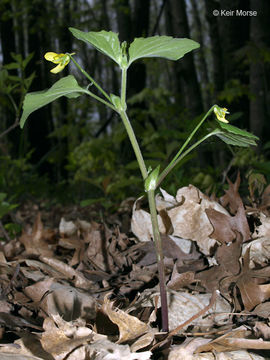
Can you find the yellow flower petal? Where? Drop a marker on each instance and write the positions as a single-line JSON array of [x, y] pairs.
[[61, 59], [58, 68], [221, 113], [50, 56]]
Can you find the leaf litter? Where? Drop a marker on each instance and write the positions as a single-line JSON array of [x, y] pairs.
[[75, 287]]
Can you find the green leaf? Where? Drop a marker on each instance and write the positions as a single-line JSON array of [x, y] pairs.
[[66, 86], [151, 180], [234, 136], [235, 140], [12, 66], [106, 42], [235, 130], [160, 46]]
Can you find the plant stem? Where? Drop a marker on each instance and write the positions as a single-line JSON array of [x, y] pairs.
[[151, 201], [100, 99], [134, 143], [172, 163], [128, 126], [160, 260], [123, 87], [91, 79]]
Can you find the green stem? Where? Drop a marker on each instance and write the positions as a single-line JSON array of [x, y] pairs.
[[123, 87], [170, 166], [160, 260], [100, 99], [134, 143], [91, 79], [151, 201], [173, 164]]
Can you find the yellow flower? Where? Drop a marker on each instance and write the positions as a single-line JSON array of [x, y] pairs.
[[221, 113], [61, 59]]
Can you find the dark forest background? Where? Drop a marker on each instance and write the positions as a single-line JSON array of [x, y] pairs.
[[77, 151]]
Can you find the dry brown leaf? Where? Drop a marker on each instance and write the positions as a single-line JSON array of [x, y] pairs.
[[262, 310], [129, 326], [262, 330], [79, 280], [225, 226], [182, 280], [62, 299], [38, 241], [144, 340], [186, 350], [189, 219], [60, 338], [25, 348], [221, 343], [141, 224], [97, 252], [183, 306], [259, 251], [106, 350], [232, 197], [228, 266], [247, 281]]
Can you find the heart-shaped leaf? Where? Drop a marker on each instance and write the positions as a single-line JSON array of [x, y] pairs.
[[66, 86], [160, 46], [106, 42]]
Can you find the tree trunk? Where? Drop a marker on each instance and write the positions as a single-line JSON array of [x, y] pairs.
[[39, 124], [7, 37], [203, 69], [216, 48], [259, 72], [186, 77]]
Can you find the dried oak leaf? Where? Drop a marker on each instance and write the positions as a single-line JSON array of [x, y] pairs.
[[252, 284], [248, 282], [227, 256], [225, 226], [232, 197], [129, 326], [170, 250], [189, 219]]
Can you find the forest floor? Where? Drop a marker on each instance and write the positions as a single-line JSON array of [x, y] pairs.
[[76, 285]]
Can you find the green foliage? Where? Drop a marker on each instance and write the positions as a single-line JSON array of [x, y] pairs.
[[19, 178], [14, 87], [5, 206], [232, 135], [66, 86], [233, 90], [96, 168], [160, 46], [108, 43], [12, 229]]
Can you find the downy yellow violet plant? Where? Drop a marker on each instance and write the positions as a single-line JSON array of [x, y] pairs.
[[167, 47]]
